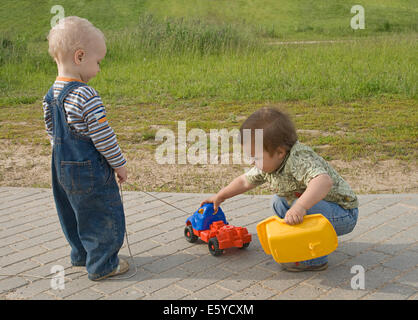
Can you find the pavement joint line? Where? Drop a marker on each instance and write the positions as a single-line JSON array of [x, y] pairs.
[[12, 195], [34, 256], [20, 203], [192, 206], [408, 206], [161, 202], [385, 284], [24, 210], [374, 252], [378, 226]]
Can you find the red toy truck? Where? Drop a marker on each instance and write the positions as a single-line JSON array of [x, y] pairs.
[[213, 228]]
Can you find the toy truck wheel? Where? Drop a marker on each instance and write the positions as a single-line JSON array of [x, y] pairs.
[[190, 236], [213, 245], [245, 245]]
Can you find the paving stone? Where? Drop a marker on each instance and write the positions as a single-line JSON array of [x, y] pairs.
[[303, 291], [28, 291], [53, 255], [392, 291], [256, 292], [21, 255], [14, 230], [172, 292], [367, 260], [19, 267], [330, 278], [74, 286], [211, 292], [4, 251], [379, 276], [44, 296], [244, 279], [384, 242], [169, 262], [11, 283], [285, 280], [202, 263], [410, 279], [397, 243], [162, 280], [379, 234], [86, 294], [343, 293], [404, 261], [36, 241], [412, 202]]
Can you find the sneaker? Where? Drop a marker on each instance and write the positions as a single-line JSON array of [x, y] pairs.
[[298, 267], [122, 268]]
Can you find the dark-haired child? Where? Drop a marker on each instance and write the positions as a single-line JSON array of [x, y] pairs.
[[304, 182]]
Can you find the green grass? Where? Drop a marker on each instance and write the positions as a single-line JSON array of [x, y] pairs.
[[329, 73], [376, 129], [211, 63], [170, 50], [281, 19]]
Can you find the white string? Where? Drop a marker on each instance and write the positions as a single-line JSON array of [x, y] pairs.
[[129, 248]]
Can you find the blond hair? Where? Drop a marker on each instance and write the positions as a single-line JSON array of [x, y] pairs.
[[70, 34]]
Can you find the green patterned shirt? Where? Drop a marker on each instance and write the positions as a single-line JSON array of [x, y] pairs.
[[299, 167]]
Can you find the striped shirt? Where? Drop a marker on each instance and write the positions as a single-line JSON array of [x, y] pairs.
[[87, 116]]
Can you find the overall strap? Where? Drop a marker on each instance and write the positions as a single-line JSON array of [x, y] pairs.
[[50, 95], [67, 89]]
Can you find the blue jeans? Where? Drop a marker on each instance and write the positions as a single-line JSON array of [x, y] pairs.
[[86, 195], [343, 220]]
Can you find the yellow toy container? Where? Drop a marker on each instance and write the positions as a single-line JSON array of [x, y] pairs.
[[314, 237]]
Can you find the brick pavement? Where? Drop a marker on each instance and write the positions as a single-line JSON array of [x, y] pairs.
[[384, 243]]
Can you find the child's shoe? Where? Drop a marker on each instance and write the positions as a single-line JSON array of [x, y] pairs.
[[122, 268], [298, 267]]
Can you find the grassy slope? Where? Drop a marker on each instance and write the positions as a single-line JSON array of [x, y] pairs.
[[163, 58], [360, 96]]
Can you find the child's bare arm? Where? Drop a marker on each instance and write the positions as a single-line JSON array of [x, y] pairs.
[[237, 186], [316, 190], [122, 174]]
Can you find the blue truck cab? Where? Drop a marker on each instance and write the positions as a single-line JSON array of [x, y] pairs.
[[203, 217]]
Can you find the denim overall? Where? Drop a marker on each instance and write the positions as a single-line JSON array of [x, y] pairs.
[[86, 194]]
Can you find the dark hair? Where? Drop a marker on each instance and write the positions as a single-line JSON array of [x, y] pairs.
[[278, 129]]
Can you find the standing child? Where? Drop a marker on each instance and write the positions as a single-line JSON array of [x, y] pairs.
[[85, 153], [304, 182]]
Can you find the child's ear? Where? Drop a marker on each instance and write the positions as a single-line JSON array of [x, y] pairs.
[[281, 151], [79, 56]]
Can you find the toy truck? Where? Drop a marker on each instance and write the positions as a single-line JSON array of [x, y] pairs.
[[212, 227]]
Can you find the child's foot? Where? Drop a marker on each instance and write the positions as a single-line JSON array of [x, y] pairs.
[[298, 267], [122, 268]]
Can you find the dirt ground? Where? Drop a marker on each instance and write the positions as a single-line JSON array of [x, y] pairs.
[[29, 166]]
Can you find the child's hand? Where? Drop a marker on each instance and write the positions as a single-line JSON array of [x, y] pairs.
[[122, 174], [215, 199], [295, 214]]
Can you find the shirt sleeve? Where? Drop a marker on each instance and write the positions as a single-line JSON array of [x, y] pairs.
[[47, 119], [255, 176], [102, 135], [306, 165]]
